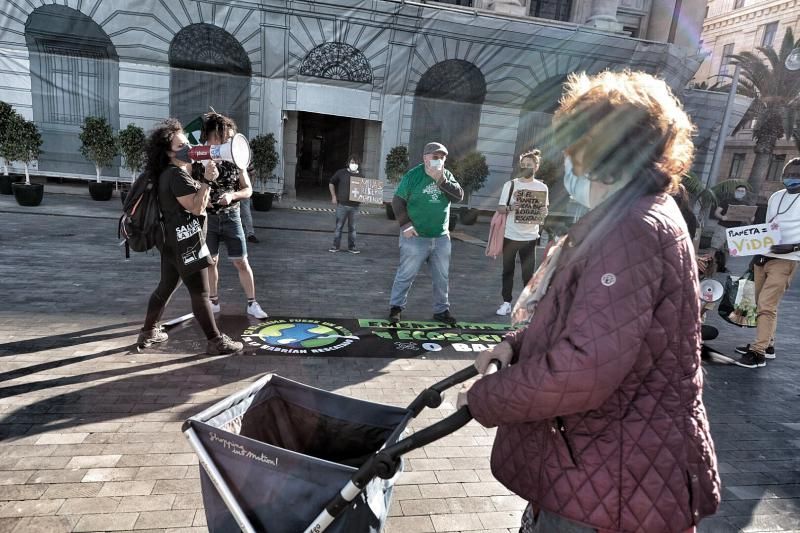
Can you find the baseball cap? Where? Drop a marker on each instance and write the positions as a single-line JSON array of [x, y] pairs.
[[431, 148]]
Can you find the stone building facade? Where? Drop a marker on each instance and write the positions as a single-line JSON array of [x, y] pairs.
[[731, 27], [330, 78]]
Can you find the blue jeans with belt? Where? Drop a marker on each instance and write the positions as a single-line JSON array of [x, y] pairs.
[[414, 251]]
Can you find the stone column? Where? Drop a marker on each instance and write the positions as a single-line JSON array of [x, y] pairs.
[[603, 15]]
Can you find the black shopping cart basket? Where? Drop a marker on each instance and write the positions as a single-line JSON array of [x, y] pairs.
[[283, 457]]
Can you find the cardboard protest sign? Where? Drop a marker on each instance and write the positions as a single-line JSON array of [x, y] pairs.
[[529, 206], [741, 213], [752, 240], [366, 191]]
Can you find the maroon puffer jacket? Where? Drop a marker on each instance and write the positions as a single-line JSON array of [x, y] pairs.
[[601, 418]]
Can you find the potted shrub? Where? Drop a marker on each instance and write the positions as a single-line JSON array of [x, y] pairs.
[[265, 159], [472, 172], [26, 145], [99, 146], [7, 118], [131, 143], [396, 166]]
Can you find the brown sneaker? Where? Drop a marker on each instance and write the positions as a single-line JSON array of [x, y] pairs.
[[149, 337], [223, 345]]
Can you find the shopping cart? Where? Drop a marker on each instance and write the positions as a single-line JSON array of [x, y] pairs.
[[283, 457]]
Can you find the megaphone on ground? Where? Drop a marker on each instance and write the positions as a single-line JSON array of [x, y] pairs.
[[711, 290], [237, 150]]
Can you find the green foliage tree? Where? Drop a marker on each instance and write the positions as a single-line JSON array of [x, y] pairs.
[[471, 172], [26, 143], [131, 143], [396, 163], [98, 143], [774, 90], [7, 117], [265, 158]]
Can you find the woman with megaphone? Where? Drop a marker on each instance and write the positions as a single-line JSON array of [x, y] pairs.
[[184, 256], [224, 218]]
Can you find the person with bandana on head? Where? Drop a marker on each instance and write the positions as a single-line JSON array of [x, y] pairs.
[[775, 270], [598, 405], [346, 209], [520, 238]]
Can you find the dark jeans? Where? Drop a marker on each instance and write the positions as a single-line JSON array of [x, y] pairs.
[[527, 257], [345, 213], [196, 283], [549, 523]]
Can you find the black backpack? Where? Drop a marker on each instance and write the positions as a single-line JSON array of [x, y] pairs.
[[141, 222]]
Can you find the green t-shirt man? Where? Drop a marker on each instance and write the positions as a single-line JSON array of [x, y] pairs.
[[427, 204]]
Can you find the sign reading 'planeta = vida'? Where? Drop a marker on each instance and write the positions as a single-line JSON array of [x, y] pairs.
[[752, 240], [366, 191]]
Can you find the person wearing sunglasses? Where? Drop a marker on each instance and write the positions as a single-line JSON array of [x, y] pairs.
[[774, 271]]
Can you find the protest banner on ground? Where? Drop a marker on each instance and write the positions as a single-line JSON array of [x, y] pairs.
[[752, 240], [366, 191], [529, 206]]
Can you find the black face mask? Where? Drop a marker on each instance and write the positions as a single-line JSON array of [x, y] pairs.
[[526, 172], [183, 154]]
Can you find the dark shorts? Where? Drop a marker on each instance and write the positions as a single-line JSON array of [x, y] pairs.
[[226, 227]]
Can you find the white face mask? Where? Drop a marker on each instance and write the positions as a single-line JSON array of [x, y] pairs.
[[353, 167], [578, 187], [437, 164], [739, 195]]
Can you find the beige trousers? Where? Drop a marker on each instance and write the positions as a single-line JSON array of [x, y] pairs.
[[771, 282]]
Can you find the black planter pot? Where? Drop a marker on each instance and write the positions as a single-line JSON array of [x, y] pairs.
[[5, 183], [453, 220], [101, 191], [389, 211], [261, 201], [469, 217], [28, 195]]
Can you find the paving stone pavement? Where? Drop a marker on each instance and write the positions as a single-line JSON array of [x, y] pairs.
[[90, 431]]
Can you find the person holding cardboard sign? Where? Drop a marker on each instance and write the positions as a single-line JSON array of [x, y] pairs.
[[525, 199], [346, 208], [774, 270]]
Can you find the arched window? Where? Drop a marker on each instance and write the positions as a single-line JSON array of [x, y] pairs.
[[447, 108], [536, 116], [74, 74], [209, 68], [337, 61]]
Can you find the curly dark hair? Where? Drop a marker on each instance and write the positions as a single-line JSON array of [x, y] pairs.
[[216, 122], [159, 142]]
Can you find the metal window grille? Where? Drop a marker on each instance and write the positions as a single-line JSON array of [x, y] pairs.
[[552, 9], [77, 76]]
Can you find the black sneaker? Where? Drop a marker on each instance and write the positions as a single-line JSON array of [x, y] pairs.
[[769, 354], [751, 360], [445, 317], [354, 251], [253, 239], [333, 249], [223, 345], [394, 314], [147, 338]]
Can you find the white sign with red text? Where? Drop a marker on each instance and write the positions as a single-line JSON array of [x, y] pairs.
[[752, 240]]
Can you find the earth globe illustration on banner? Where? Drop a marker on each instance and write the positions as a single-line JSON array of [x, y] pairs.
[[298, 335]]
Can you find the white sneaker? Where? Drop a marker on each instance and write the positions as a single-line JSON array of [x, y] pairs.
[[505, 309], [255, 310], [214, 307]]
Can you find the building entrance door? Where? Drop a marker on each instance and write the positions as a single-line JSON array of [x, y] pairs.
[[324, 144]]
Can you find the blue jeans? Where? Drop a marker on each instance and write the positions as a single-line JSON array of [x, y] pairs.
[[226, 227], [345, 213], [414, 251]]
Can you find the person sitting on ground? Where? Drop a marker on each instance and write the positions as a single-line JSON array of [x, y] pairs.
[[599, 405], [178, 193], [774, 271]]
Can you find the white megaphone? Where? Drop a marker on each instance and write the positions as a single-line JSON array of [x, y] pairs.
[[237, 150], [711, 290]]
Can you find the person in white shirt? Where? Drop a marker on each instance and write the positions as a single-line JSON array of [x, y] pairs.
[[525, 199], [774, 271]]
